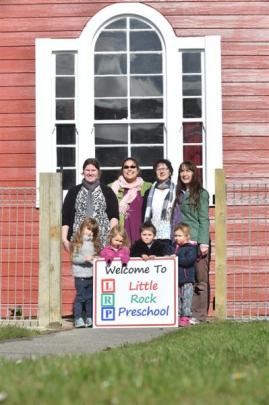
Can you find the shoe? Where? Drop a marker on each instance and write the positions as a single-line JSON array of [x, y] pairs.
[[194, 321], [88, 322], [184, 321], [79, 323]]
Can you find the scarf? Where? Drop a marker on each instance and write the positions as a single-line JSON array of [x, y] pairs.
[[90, 187], [167, 201], [131, 194]]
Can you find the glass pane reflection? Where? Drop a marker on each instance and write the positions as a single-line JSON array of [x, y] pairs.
[[147, 108], [110, 64], [109, 134], [146, 63], [66, 157], [192, 132], [65, 110], [147, 133], [65, 134], [120, 23], [192, 108], [111, 156], [110, 109], [108, 176], [192, 85], [69, 178], [111, 41], [110, 86], [191, 62], [146, 86], [65, 64], [144, 41], [136, 24], [146, 156], [65, 87], [193, 153]]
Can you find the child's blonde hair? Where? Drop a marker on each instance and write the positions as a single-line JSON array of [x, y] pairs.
[[119, 230], [184, 228], [91, 224]]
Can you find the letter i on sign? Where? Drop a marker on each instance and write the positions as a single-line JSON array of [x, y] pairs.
[[108, 285]]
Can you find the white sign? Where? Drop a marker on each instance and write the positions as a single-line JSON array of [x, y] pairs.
[[141, 294]]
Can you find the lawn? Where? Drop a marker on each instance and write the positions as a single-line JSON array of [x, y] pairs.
[[14, 332], [216, 363]]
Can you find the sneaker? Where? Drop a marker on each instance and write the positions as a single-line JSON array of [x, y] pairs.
[[79, 323], [88, 322], [184, 321], [194, 321]]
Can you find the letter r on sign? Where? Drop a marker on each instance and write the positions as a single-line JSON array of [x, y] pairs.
[[107, 300], [108, 285]]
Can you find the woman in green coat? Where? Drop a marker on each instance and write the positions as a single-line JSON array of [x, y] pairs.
[[191, 207]]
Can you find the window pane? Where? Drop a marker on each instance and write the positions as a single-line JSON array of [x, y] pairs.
[[69, 178], [193, 153], [145, 41], [110, 86], [110, 109], [146, 156], [120, 23], [148, 175], [111, 41], [66, 157], [145, 63], [191, 62], [147, 133], [65, 110], [192, 85], [192, 132], [136, 24], [110, 64], [65, 64], [146, 86], [65, 134], [108, 176], [111, 156], [147, 108], [192, 108], [65, 87], [109, 134]]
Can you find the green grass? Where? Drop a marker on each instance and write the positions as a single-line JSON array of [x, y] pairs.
[[14, 332], [218, 363]]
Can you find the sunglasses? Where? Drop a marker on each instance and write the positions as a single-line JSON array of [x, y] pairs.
[[129, 167]]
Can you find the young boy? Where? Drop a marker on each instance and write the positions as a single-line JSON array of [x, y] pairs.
[[187, 255], [147, 247]]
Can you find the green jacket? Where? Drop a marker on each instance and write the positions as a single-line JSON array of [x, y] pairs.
[[145, 186], [197, 218]]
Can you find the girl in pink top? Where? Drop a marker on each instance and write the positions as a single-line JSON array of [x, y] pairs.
[[118, 246]]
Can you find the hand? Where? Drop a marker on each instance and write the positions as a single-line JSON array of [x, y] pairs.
[[152, 257], [145, 257], [66, 245], [88, 258], [204, 250]]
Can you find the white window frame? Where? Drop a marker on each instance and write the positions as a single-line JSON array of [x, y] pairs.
[[84, 47]]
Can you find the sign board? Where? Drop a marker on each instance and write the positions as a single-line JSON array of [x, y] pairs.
[[141, 294]]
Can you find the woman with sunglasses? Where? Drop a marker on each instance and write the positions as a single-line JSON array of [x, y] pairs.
[[130, 189]]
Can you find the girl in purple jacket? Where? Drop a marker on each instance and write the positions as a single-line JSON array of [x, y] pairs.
[[118, 246]]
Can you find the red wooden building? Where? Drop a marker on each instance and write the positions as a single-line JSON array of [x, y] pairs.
[[80, 78]]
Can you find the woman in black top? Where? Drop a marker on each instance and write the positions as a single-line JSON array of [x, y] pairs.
[[90, 199]]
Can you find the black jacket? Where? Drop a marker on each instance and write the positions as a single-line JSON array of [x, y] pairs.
[[187, 255], [140, 248]]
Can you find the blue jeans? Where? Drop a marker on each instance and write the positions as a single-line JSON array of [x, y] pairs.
[[83, 300]]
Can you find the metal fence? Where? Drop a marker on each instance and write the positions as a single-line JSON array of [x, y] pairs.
[[248, 251], [19, 232]]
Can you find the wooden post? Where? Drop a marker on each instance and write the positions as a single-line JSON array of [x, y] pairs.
[[220, 245], [49, 295]]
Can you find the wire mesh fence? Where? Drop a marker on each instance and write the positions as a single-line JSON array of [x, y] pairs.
[[248, 251], [19, 232]]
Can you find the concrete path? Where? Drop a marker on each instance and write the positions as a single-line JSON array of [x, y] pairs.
[[76, 341]]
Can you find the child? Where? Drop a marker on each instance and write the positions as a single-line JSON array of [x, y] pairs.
[[118, 246], [187, 255], [85, 245], [147, 247]]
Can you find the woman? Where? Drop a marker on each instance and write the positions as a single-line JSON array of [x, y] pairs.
[[191, 207], [90, 199], [130, 189], [158, 203]]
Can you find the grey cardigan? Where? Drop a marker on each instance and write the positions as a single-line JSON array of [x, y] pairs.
[[80, 267]]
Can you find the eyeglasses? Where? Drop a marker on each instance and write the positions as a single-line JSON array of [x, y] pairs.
[[129, 167], [159, 169]]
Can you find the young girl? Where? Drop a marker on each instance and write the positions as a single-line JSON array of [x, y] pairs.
[[118, 246], [147, 247], [85, 245], [187, 255]]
